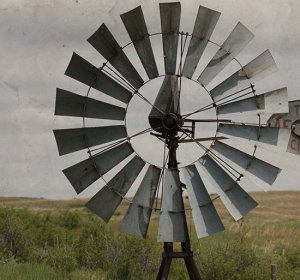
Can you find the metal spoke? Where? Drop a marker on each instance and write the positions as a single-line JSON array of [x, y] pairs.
[[179, 73], [228, 101], [207, 120], [140, 133], [214, 105], [216, 158], [161, 178], [203, 139], [109, 146], [123, 81], [205, 108]]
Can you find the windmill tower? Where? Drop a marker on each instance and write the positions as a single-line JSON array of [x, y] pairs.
[[222, 164]]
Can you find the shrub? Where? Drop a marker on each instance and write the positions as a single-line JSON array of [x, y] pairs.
[[62, 259], [13, 240], [228, 256], [71, 241], [134, 258], [94, 245], [69, 219]]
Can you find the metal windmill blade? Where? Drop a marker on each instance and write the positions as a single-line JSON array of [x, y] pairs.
[[220, 168], [256, 69], [170, 21], [235, 42], [137, 218], [205, 23]]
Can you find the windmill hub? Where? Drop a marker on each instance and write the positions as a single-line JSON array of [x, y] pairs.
[[171, 121]]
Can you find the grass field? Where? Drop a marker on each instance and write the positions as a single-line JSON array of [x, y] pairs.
[[60, 239]]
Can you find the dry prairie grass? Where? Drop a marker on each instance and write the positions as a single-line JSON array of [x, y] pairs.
[[272, 206], [275, 219], [41, 203], [271, 232]]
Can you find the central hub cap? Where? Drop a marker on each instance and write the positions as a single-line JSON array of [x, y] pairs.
[[171, 121]]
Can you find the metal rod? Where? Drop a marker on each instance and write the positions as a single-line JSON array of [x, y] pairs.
[[203, 139], [207, 120], [213, 104], [111, 145], [216, 157]]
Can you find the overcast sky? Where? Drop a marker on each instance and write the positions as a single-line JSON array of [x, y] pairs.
[[38, 38]]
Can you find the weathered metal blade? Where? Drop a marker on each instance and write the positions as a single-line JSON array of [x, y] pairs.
[[233, 45], [172, 219], [258, 68], [135, 24], [137, 218], [206, 218], [204, 26], [167, 101], [170, 21], [104, 42], [268, 135], [236, 200], [261, 66], [105, 202], [74, 105], [259, 168], [75, 139], [84, 72], [275, 101], [86, 172]]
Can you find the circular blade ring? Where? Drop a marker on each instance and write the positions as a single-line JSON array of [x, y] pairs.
[[171, 121]]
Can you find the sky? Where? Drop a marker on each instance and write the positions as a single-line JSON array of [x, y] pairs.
[[38, 38]]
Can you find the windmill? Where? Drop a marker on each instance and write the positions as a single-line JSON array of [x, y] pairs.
[[221, 163]]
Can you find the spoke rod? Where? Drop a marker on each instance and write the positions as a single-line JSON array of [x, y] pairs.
[[253, 124], [207, 107], [162, 174], [140, 133], [123, 81], [213, 104], [225, 102], [207, 120], [217, 158], [203, 139], [118, 78], [232, 94], [182, 48], [109, 146]]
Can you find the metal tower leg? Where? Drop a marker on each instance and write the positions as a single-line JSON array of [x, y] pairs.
[[186, 252], [189, 261], [165, 262]]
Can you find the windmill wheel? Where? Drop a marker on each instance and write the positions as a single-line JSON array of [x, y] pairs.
[[222, 165]]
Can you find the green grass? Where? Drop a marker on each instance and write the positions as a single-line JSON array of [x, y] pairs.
[[43, 239], [34, 271], [13, 270]]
